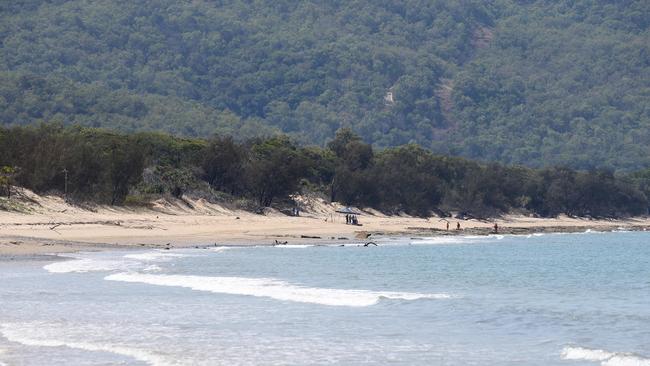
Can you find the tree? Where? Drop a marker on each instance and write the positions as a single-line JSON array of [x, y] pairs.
[[406, 181], [353, 158], [126, 166], [223, 164], [7, 175], [175, 180], [275, 169]]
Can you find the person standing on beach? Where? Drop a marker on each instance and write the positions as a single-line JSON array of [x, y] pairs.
[[447, 225], [458, 225], [496, 228]]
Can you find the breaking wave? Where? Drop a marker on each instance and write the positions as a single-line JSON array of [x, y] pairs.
[[29, 334], [219, 249], [272, 288], [95, 263], [155, 256], [604, 357], [88, 265]]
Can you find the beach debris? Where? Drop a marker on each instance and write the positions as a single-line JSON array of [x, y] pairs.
[[363, 235], [309, 237], [281, 242], [370, 243]]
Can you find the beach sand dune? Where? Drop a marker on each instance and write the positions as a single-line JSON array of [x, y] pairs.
[[47, 224]]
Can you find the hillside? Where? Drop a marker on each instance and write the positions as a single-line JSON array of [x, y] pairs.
[[534, 83]]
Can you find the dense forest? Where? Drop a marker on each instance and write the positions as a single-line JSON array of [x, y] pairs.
[[107, 167], [537, 82]]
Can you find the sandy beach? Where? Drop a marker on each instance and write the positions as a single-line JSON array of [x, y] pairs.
[[47, 224]]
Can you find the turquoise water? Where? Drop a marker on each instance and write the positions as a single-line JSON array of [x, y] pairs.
[[557, 299]]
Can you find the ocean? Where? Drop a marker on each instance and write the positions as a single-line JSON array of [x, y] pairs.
[[552, 299]]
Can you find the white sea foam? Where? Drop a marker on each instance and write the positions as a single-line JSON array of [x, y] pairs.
[[152, 268], [101, 263], [604, 357], [294, 246], [88, 265], [272, 288], [219, 249], [155, 256], [449, 239], [29, 334], [441, 240]]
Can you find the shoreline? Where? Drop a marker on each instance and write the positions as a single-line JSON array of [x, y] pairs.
[[51, 226], [34, 248]]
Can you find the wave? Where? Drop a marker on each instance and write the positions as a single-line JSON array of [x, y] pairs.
[[441, 240], [604, 357], [30, 335], [272, 288], [218, 249], [97, 263], [155, 256], [454, 239], [88, 265], [293, 246]]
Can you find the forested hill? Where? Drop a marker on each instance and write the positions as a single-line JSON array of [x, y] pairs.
[[529, 82]]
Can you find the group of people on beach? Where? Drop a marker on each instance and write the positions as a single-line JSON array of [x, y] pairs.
[[457, 225], [351, 220]]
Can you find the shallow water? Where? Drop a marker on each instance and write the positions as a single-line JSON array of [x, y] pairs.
[[558, 299]]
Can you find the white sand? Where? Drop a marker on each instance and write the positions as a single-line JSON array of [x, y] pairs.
[[53, 226]]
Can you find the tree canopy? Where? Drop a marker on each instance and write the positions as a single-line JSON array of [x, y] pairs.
[[114, 168], [524, 82]]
